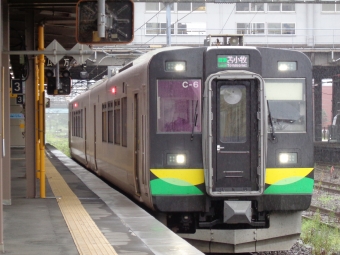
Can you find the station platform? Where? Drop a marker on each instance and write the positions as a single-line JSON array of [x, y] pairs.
[[81, 214]]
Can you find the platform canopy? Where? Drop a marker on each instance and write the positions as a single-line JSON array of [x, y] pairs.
[[70, 2]]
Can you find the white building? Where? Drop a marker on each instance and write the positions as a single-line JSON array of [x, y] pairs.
[[267, 24]]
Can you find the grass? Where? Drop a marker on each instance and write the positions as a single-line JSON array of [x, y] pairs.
[[60, 142], [325, 199], [324, 239]]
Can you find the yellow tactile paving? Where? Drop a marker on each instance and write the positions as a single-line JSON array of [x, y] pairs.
[[86, 235]]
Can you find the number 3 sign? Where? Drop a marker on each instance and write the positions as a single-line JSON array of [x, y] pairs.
[[20, 99], [17, 87]]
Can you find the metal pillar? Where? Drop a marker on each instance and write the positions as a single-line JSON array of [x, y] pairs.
[[3, 8], [6, 110], [310, 24], [101, 18], [41, 61], [318, 109], [168, 24], [30, 111]]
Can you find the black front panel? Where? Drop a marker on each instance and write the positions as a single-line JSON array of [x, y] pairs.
[[175, 138], [290, 141]]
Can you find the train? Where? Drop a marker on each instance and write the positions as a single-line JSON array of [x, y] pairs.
[[216, 140]]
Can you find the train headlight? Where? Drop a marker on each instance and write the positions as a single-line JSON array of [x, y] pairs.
[[175, 66], [176, 159], [286, 66], [288, 158]]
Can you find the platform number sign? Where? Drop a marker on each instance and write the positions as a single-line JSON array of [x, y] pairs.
[[17, 87], [20, 99]]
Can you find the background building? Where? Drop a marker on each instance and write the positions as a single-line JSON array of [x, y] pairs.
[[267, 24]]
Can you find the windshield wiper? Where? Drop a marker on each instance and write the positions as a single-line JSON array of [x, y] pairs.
[[271, 123], [195, 118]]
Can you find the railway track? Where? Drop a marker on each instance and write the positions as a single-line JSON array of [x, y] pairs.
[[322, 210], [327, 186]]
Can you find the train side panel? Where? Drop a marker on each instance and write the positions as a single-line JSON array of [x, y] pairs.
[[77, 129]]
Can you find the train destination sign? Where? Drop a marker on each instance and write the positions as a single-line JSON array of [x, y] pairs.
[[233, 61]]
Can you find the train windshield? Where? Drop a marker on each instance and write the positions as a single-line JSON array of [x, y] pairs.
[[179, 106], [286, 104]]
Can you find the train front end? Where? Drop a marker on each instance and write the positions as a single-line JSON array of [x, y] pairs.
[[231, 147]]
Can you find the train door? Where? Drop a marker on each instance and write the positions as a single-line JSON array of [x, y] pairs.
[[95, 137], [235, 104], [137, 144]]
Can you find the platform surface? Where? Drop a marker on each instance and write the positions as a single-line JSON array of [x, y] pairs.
[[81, 214]]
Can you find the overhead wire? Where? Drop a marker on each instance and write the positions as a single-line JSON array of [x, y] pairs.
[[228, 18], [171, 24]]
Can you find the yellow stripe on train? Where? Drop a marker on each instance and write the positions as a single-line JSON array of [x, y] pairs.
[[274, 175], [192, 176]]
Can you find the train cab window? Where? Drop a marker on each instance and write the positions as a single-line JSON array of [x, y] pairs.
[[233, 117], [178, 106], [286, 105]]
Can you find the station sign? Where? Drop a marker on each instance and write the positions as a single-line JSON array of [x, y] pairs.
[[17, 116], [17, 87], [20, 99]]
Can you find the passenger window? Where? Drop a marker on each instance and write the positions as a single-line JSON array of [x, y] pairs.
[[286, 105], [124, 121], [117, 121], [179, 106], [110, 121], [104, 123]]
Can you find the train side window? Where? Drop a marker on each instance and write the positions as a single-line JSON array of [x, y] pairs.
[[287, 105], [81, 124], [73, 124], [77, 123], [110, 121], [104, 123], [124, 121], [179, 106], [117, 121]]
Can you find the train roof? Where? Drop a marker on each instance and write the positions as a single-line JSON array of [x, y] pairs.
[[147, 56]]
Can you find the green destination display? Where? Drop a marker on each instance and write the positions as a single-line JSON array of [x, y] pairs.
[[232, 61]]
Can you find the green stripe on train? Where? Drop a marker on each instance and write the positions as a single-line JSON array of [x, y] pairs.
[[288, 186], [173, 186]]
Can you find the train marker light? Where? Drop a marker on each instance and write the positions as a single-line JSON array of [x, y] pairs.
[[113, 90], [75, 105]]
